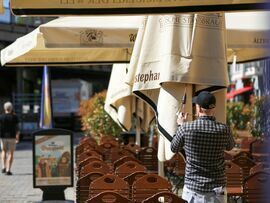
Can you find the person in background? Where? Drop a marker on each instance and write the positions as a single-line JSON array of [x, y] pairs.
[[204, 141], [9, 136]]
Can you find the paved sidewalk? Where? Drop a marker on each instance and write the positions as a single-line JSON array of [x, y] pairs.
[[18, 188]]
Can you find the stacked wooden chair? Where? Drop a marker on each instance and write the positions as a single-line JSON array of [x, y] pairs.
[[109, 182], [147, 186], [164, 197], [124, 159], [108, 197], [235, 179], [148, 157], [111, 173], [255, 188], [82, 186], [129, 167]]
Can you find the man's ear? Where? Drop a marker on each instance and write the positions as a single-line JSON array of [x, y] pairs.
[[200, 109]]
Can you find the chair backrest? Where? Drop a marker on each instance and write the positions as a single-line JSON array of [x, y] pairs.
[[132, 147], [132, 178], [129, 167], [259, 146], [82, 148], [147, 186], [246, 143], [86, 154], [123, 160], [245, 163], [107, 149], [260, 167], [117, 153], [234, 174], [243, 154], [255, 188], [180, 165], [148, 157], [108, 197], [82, 186], [109, 182], [259, 150], [227, 156], [164, 197], [87, 161], [95, 166]]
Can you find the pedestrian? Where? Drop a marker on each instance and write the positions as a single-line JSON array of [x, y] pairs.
[[204, 141], [9, 136]]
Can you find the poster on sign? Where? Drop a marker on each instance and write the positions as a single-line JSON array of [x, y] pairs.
[[53, 158]]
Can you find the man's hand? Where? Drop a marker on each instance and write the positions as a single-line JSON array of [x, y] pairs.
[[182, 117]]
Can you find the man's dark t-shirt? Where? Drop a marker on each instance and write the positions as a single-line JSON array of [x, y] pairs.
[[8, 125]]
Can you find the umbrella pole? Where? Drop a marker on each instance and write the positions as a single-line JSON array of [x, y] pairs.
[[161, 169], [138, 131]]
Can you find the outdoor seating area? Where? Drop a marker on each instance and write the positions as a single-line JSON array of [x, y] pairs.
[[111, 172], [247, 171]]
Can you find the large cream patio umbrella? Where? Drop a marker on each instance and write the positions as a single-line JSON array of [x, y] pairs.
[[84, 40], [174, 55], [123, 106], [109, 39], [247, 36]]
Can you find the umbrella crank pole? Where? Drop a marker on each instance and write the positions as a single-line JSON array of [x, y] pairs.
[[183, 103]]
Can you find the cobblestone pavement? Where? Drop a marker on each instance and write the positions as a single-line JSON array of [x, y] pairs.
[[18, 188]]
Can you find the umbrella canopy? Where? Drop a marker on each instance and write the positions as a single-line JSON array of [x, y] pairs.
[[122, 105], [177, 54], [248, 36], [75, 41]]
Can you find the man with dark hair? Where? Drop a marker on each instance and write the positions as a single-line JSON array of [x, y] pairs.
[[204, 141], [9, 136]]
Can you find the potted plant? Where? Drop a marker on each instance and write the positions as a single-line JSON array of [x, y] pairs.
[[95, 120], [238, 117]]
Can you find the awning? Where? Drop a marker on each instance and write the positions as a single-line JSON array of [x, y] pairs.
[[87, 7], [234, 93]]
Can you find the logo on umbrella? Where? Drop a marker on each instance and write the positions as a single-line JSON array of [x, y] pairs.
[[91, 37]]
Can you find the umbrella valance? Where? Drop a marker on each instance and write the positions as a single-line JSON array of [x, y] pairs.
[[94, 7], [83, 40]]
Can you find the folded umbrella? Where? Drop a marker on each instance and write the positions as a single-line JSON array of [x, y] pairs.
[[174, 53]]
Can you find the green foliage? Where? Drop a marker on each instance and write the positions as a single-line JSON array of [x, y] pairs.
[[256, 124], [95, 119], [242, 116], [238, 115]]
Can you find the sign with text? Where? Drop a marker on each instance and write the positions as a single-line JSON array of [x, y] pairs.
[[95, 7], [52, 158]]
